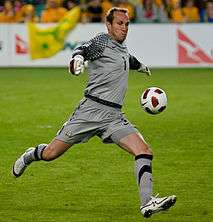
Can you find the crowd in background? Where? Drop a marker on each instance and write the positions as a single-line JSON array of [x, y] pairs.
[[140, 11]]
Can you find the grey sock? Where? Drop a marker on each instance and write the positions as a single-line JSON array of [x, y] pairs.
[[39, 150], [34, 154], [143, 170]]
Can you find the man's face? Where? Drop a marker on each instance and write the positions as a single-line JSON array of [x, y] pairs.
[[119, 27]]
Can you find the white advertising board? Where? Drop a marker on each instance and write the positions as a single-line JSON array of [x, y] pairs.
[[4, 45], [157, 45]]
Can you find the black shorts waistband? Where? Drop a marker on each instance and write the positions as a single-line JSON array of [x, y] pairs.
[[104, 102]]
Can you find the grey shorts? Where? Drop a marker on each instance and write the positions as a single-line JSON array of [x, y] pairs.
[[94, 119]]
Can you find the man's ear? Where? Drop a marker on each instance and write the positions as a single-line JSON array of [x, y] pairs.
[[108, 25]]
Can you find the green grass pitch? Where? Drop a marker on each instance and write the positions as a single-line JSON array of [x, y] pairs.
[[96, 182]]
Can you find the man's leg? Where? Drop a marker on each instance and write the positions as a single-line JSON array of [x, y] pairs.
[[135, 144], [46, 152]]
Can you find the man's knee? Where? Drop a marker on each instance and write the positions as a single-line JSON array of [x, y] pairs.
[[135, 144]]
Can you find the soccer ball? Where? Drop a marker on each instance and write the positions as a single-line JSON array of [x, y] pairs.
[[153, 100]]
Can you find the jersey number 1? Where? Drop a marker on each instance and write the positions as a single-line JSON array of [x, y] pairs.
[[124, 63]]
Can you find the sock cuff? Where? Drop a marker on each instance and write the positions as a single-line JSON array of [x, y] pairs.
[[144, 156], [39, 150]]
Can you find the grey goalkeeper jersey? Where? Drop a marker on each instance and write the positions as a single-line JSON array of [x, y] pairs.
[[108, 67]]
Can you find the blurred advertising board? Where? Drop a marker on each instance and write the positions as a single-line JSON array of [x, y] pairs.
[[157, 45]]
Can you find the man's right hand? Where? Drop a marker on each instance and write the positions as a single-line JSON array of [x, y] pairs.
[[76, 66]]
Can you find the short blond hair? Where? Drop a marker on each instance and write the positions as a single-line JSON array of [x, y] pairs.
[[110, 13]]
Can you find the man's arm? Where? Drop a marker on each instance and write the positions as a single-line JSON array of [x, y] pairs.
[[134, 64], [90, 50]]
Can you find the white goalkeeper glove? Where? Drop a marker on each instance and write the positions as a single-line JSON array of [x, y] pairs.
[[144, 69], [76, 66]]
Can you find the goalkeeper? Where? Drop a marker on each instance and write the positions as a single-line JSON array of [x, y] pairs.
[[99, 112]]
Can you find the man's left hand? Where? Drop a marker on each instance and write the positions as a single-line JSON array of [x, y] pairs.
[[145, 69]]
